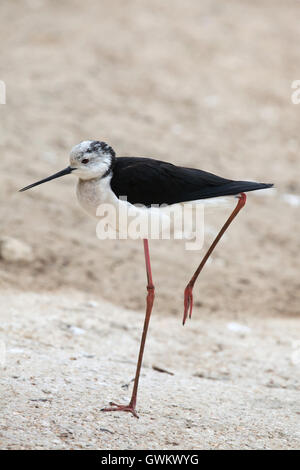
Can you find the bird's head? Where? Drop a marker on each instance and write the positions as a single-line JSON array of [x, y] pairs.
[[89, 159]]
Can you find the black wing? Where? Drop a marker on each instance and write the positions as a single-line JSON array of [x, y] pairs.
[[147, 181]]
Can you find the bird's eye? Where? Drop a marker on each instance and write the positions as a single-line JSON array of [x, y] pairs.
[[85, 161]]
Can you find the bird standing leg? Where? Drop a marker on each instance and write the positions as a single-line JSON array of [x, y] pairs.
[[188, 293], [150, 300]]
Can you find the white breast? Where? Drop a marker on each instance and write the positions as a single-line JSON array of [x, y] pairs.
[[92, 193]]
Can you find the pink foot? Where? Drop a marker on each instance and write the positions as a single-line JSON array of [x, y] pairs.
[[188, 303], [129, 408]]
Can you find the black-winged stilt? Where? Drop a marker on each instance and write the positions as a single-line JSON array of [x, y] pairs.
[[104, 178]]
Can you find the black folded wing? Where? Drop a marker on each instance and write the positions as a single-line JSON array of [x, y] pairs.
[[147, 181]]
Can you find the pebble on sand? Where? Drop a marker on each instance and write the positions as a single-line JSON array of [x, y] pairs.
[[14, 250]]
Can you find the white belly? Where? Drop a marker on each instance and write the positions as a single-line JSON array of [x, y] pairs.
[[182, 220]]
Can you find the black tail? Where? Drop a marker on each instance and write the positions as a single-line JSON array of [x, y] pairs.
[[228, 189], [236, 187]]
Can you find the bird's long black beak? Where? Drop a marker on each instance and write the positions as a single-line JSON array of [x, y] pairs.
[[66, 171]]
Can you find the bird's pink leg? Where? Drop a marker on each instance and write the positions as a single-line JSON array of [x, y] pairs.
[[150, 299], [188, 293]]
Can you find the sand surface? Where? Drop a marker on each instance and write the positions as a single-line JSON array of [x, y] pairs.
[[234, 385], [203, 84]]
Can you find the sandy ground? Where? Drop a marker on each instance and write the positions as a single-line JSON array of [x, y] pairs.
[[204, 84], [234, 385]]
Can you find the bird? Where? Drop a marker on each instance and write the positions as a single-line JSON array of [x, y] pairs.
[[104, 178]]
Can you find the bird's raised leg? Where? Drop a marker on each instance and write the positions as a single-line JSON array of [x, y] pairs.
[[150, 299], [188, 293]]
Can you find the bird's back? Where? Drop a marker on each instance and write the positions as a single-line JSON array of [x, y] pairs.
[[147, 181]]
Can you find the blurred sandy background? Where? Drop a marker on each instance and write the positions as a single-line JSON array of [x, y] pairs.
[[203, 84]]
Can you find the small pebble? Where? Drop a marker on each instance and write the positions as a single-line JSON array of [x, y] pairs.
[[14, 250]]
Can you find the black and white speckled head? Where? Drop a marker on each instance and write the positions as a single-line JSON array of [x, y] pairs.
[[92, 159], [89, 159]]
